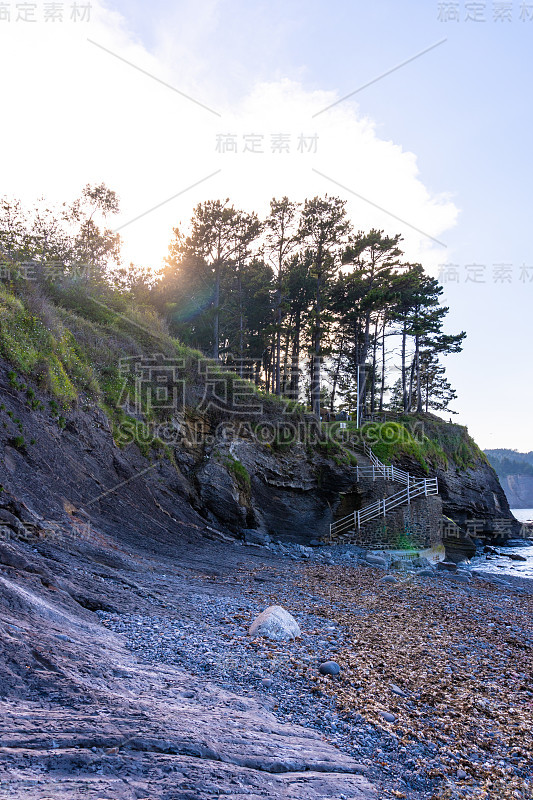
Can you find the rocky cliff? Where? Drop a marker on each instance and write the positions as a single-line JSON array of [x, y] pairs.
[[66, 470], [518, 490], [105, 416], [473, 498], [469, 488], [515, 472], [63, 467]]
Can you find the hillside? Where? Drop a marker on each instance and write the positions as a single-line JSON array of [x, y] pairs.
[[96, 392], [515, 471], [134, 495]]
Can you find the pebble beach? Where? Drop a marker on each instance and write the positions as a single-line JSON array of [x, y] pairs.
[[434, 694]]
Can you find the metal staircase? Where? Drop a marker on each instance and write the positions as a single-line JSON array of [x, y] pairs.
[[414, 487]]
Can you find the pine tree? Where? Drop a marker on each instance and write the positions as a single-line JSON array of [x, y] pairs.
[[323, 228], [281, 240]]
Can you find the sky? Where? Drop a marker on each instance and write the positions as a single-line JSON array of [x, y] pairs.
[[417, 114]]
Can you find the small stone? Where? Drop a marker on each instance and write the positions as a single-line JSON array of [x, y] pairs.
[[461, 775], [396, 690], [462, 578], [426, 573], [448, 566], [329, 668], [267, 682], [387, 716], [376, 561], [389, 579], [252, 536]]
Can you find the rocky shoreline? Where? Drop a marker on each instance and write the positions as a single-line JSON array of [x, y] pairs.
[[128, 672], [209, 639]]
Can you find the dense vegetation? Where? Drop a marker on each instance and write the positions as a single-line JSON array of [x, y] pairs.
[[296, 303], [510, 462], [423, 439], [300, 301]]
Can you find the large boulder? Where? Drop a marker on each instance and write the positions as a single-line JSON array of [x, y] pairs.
[[458, 544], [221, 495], [376, 560], [252, 536], [275, 623]]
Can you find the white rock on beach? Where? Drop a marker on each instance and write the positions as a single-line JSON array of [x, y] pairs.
[[275, 623]]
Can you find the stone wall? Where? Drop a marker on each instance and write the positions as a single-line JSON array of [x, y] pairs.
[[417, 525]]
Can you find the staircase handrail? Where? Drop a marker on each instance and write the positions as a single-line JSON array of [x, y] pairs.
[[414, 487], [380, 508]]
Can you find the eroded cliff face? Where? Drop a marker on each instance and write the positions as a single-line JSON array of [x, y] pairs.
[[518, 490], [67, 475], [474, 495], [64, 469], [291, 496], [473, 498]]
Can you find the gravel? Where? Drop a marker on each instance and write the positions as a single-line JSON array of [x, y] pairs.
[[206, 634]]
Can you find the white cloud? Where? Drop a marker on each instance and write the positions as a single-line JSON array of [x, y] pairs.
[[75, 114]]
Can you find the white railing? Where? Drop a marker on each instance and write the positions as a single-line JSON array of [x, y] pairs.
[[388, 473], [381, 416], [380, 470], [414, 487]]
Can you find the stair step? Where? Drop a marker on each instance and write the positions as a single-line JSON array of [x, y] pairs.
[[413, 488]]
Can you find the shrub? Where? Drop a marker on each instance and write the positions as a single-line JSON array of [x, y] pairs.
[[12, 377], [239, 472]]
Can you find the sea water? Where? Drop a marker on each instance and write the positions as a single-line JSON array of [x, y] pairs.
[[501, 564], [523, 514]]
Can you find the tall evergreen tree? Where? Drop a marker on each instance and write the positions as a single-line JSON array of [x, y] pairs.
[[299, 289], [213, 239], [323, 229], [280, 241]]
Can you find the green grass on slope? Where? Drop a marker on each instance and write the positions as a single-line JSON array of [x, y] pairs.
[[48, 352], [71, 338], [425, 439], [393, 440]]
